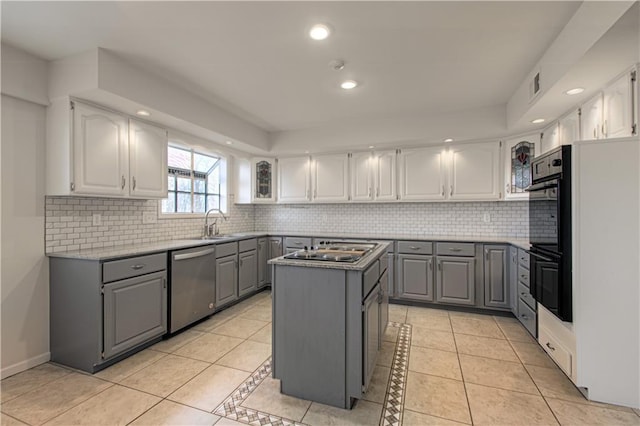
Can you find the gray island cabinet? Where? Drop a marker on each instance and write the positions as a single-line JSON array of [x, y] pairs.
[[328, 322]]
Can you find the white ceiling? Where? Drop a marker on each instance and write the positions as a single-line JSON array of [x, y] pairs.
[[254, 58]]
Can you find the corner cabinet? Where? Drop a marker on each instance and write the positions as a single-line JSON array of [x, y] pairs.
[[96, 152], [496, 279], [518, 153]]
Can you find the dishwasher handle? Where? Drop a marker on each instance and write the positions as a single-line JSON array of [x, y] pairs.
[[194, 254]]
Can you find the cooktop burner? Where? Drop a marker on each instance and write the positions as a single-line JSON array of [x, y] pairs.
[[333, 252]]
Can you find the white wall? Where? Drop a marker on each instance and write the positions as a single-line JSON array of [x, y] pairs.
[[24, 270], [394, 131], [24, 277]]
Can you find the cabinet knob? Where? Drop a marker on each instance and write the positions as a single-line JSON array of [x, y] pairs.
[[550, 347], [133, 180], [123, 181], [451, 192]]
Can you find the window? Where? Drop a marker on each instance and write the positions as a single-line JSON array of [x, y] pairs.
[[197, 182]]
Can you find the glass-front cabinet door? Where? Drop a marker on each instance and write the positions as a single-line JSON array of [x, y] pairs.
[[518, 155], [263, 174]]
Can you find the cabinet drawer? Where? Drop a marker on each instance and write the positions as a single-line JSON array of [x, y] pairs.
[[523, 258], [246, 245], [297, 242], [455, 249], [132, 267], [415, 247], [527, 317], [523, 294], [523, 275], [226, 249], [556, 351], [370, 278]]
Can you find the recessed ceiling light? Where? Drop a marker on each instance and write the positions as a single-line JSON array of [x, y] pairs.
[[371, 146], [538, 120], [306, 152], [448, 140], [319, 32], [143, 113], [349, 84], [229, 143], [574, 91]]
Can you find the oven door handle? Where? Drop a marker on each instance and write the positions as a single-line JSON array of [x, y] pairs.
[[546, 259], [541, 186]]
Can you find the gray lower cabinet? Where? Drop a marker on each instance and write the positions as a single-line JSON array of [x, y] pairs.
[[371, 333], [496, 279], [275, 250], [415, 276], [455, 282], [247, 272], [526, 304], [226, 280], [135, 311], [263, 256], [513, 280], [101, 311]]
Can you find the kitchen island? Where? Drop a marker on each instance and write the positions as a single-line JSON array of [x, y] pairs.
[[328, 320]]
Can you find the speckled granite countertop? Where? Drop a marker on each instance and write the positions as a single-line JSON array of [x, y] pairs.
[[360, 265], [406, 237], [118, 252], [110, 253]]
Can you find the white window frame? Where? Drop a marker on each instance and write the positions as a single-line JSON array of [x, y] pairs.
[[224, 179]]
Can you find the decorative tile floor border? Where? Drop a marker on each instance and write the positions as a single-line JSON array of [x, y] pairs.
[[232, 407], [393, 407]]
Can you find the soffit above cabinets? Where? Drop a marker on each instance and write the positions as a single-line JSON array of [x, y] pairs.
[[255, 59]]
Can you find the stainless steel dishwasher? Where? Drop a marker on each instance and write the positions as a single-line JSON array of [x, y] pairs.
[[193, 286]]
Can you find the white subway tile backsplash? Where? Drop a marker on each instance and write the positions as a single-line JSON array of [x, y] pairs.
[[68, 221]]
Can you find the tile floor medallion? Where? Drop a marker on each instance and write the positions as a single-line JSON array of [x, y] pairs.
[[232, 407]]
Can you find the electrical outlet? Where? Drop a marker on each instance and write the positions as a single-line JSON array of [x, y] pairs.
[[149, 217], [486, 218], [97, 219]]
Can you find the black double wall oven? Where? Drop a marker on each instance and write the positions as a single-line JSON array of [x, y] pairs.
[[550, 231]]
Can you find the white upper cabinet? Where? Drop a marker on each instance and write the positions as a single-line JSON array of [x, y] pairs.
[[517, 155], [591, 119], [263, 177], [422, 173], [386, 187], [362, 176], [330, 177], [373, 176], [96, 152], [550, 138], [147, 160], [293, 181], [100, 152], [569, 128], [618, 107], [474, 172]]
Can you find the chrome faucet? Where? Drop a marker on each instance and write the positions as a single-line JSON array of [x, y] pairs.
[[212, 229]]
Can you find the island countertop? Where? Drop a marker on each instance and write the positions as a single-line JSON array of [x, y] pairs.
[[360, 265]]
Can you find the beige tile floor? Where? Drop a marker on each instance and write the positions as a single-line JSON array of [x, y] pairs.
[[463, 369]]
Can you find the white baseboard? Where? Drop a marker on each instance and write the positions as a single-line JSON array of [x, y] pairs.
[[24, 365]]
